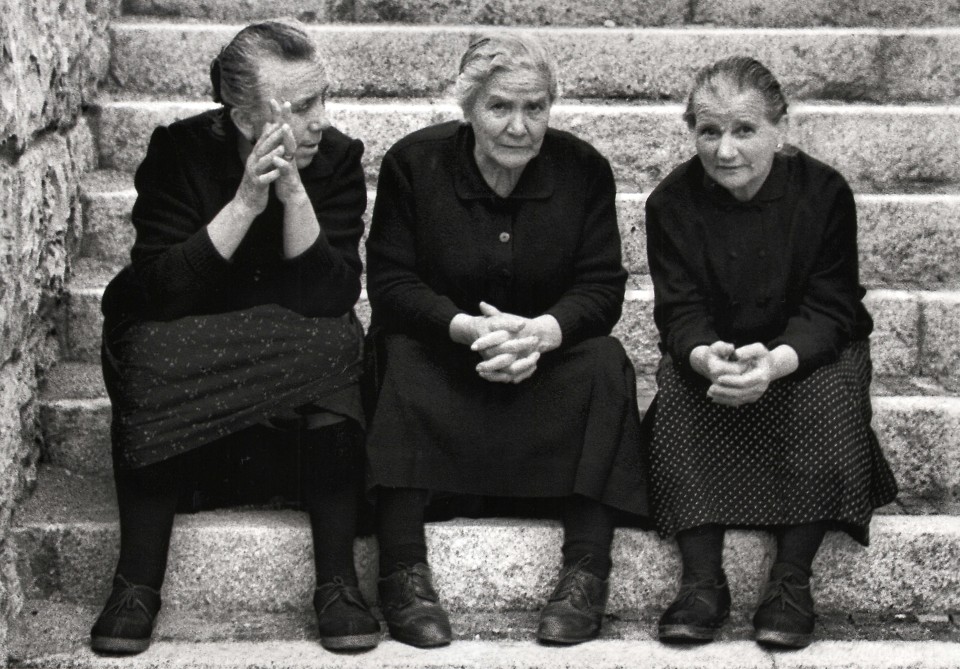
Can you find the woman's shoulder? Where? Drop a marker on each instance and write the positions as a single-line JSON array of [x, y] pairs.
[[812, 175], [426, 140], [678, 185], [569, 146]]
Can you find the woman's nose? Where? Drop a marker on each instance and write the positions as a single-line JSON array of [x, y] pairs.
[[726, 148], [320, 122], [516, 125]]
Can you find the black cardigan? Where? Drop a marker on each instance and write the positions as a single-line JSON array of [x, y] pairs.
[[441, 240], [781, 268], [191, 170]]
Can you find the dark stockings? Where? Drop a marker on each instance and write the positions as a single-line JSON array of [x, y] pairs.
[[588, 533], [701, 551], [797, 545], [400, 528], [147, 497], [330, 482]]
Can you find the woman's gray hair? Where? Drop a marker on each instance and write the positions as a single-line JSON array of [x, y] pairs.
[[234, 73], [492, 53], [747, 74]]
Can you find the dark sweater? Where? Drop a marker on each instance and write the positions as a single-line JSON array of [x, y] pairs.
[[781, 268], [441, 240], [190, 172]]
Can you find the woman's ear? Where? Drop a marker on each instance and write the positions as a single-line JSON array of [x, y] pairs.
[[783, 129], [244, 122]]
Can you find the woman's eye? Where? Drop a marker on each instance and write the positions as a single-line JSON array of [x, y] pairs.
[[708, 133], [745, 131]]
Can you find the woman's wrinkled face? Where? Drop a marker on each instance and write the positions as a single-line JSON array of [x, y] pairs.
[[735, 140], [509, 118], [304, 85]]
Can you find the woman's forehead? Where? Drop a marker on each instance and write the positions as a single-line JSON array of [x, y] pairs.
[[727, 101], [291, 79], [526, 83]]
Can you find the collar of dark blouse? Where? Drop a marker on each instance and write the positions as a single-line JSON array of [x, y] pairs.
[[536, 182]]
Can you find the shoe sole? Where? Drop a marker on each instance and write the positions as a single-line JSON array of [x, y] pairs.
[[118, 645], [420, 642], [351, 642], [783, 639], [566, 641], [687, 633]]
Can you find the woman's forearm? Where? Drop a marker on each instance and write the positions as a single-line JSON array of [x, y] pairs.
[[230, 226], [300, 225]]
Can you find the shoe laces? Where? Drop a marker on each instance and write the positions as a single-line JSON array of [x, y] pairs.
[[571, 581], [128, 598], [338, 589], [784, 593], [691, 593]]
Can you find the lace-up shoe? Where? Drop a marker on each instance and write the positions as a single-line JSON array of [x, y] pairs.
[[412, 609], [126, 622], [574, 612], [785, 617], [344, 619], [697, 613]]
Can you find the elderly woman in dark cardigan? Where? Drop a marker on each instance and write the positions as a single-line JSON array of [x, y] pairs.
[[495, 278], [762, 417], [234, 324]]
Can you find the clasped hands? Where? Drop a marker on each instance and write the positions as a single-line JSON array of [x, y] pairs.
[[272, 160], [742, 375], [510, 345]]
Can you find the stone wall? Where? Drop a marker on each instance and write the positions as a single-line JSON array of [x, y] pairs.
[[53, 54]]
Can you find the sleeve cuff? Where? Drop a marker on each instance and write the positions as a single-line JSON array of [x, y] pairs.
[[203, 257], [320, 255]]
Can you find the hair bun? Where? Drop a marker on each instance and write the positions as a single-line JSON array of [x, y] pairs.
[[215, 79]]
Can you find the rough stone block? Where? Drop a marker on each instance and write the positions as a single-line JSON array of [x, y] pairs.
[[921, 439], [55, 53], [39, 198], [909, 241], [787, 13], [940, 356], [235, 560], [646, 64], [76, 434], [876, 148], [895, 345]]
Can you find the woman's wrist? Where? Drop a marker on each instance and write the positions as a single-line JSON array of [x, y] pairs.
[[784, 360], [547, 330], [463, 329]]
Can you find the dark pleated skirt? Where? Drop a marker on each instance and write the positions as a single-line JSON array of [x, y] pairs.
[[177, 385], [573, 427], [804, 452]]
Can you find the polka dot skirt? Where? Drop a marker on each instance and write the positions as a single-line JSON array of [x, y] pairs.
[[803, 452]]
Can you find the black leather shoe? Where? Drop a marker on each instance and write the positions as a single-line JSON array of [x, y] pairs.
[[343, 618], [412, 609], [126, 622], [574, 612], [697, 613], [785, 617]]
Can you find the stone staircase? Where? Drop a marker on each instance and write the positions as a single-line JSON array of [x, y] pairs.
[[876, 98]]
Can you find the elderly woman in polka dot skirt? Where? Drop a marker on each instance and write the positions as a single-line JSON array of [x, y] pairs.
[[762, 418]]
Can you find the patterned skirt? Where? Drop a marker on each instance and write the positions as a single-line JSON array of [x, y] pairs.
[[804, 452], [177, 385]]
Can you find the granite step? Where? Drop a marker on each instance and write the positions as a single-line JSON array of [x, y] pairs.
[[884, 148], [783, 13], [52, 634], [920, 433], [66, 536], [850, 65], [914, 334], [906, 241]]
